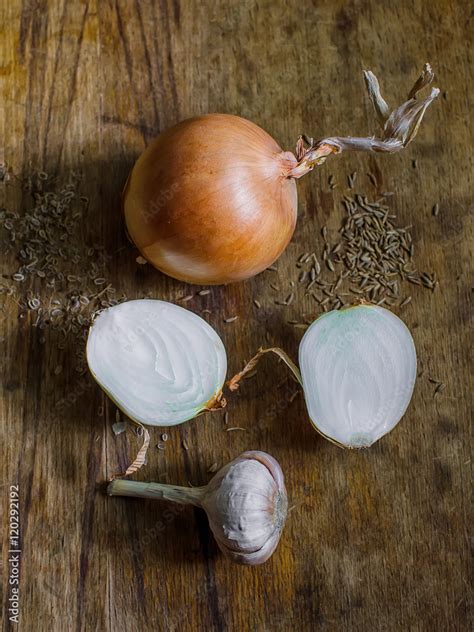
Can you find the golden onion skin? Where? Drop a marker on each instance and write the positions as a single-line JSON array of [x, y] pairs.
[[210, 200]]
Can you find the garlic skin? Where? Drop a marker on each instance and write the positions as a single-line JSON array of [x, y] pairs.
[[245, 502]]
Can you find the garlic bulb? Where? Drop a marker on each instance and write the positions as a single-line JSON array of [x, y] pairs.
[[358, 368], [160, 363], [246, 504], [358, 371]]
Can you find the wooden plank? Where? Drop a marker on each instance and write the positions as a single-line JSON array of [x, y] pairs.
[[376, 540]]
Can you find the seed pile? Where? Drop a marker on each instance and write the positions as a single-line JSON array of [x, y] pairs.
[[58, 278], [377, 254], [370, 260]]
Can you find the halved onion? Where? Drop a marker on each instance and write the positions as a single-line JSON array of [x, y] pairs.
[[160, 363], [358, 371], [358, 368]]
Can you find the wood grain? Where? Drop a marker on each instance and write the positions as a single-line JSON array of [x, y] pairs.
[[376, 540]]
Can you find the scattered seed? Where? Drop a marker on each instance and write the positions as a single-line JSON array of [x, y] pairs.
[[405, 301], [257, 304], [435, 209], [213, 468], [372, 178], [351, 179], [34, 303], [440, 388], [185, 444], [204, 292], [231, 319], [185, 299], [272, 268], [164, 437], [141, 260], [160, 446], [234, 428]]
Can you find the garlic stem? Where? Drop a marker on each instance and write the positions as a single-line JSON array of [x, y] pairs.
[[136, 489]]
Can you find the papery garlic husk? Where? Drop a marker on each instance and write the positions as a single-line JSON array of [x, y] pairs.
[[246, 504], [358, 368], [160, 363]]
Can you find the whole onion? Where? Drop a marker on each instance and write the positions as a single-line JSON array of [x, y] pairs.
[[213, 199]]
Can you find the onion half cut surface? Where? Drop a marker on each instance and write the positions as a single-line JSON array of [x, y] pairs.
[[358, 367], [160, 363]]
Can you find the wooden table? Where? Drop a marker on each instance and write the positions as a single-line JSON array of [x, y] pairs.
[[376, 539]]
